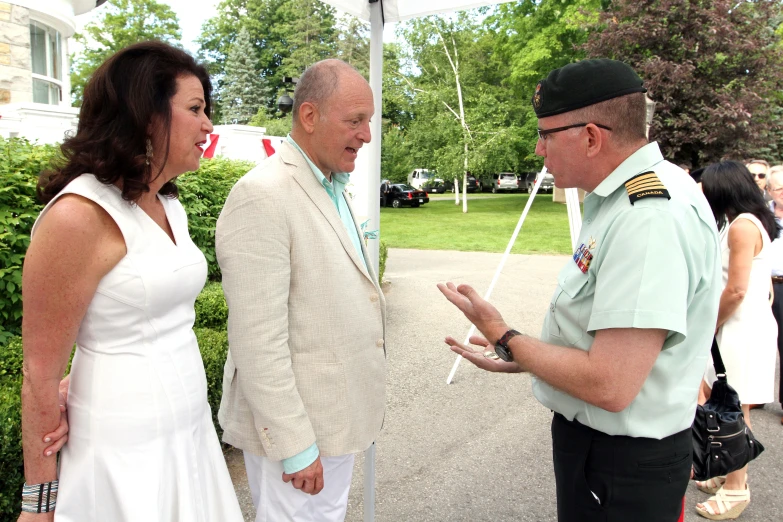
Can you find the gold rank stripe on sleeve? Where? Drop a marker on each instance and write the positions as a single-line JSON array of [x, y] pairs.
[[645, 185]]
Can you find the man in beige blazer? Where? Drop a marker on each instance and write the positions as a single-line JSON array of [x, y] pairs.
[[304, 381]]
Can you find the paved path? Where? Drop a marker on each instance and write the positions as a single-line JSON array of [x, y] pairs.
[[479, 449]]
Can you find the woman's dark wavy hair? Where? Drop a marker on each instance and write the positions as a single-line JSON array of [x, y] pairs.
[[731, 191], [120, 101]]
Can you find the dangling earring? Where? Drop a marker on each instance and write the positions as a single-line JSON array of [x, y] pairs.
[[149, 152]]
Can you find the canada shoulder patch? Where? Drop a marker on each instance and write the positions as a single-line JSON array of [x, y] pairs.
[[646, 185]]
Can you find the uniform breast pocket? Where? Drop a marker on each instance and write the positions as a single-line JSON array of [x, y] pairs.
[[566, 307]]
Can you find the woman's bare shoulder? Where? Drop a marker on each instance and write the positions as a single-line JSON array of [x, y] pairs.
[[81, 227]]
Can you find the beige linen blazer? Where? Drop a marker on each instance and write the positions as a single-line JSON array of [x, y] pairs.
[[306, 323]]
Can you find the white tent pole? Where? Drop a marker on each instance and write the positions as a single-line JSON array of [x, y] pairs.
[[374, 147], [373, 205], [511, 242]]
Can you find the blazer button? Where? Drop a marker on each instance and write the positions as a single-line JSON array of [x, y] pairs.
[[379, 343], [374, 297]]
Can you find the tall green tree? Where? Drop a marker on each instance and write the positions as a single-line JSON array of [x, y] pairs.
[[532, 38], [122, 23], [245, 90], [308, 33], [460, 110], [353, 43], [714, 67], [288, 35], [274, 126]]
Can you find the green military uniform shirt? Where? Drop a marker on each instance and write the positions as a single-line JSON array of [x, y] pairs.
[[653, 263]]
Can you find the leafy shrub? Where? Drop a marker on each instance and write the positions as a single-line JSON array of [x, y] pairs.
[[383, 254], [211, 308], [213, 345], [20, 164], [11, 463], [203, 194]]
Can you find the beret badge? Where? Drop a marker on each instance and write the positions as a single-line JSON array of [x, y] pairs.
[[537, 97]]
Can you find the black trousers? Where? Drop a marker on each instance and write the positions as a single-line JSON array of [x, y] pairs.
[[609, 478], [777, 311]]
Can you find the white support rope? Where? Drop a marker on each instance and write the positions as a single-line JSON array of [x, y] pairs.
[[511, 242]]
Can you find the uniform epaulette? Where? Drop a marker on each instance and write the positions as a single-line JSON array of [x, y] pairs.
[[646, 185]]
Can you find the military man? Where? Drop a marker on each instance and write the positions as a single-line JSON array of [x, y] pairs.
[[628, 332]]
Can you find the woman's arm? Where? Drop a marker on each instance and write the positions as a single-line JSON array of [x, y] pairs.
[[744, 244], [75, 245]]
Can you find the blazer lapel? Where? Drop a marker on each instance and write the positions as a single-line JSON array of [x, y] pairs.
[[369, 273], [304, 176]]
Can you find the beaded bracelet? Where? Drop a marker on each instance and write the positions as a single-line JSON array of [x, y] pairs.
[[39, 498]]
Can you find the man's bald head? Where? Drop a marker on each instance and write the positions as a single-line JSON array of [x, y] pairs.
[[319, 82]]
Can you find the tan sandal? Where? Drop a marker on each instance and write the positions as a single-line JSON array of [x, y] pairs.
[[724, 499], [712, 485]]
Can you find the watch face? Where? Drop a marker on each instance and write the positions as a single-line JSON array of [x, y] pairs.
[[503, 352]]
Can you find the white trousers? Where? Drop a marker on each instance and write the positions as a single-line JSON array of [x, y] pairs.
[[278, 501]]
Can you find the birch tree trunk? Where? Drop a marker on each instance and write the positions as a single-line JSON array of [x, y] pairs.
[[466, 135]]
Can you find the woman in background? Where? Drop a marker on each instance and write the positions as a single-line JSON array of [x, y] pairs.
[[746, 330], [111, 267]]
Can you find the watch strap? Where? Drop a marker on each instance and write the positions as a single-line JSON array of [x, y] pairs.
[[503, 341]]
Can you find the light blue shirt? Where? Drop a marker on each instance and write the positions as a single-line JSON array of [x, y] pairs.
[[336, 191], [651, 264]]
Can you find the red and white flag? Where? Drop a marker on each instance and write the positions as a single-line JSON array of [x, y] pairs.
[[209, 147]]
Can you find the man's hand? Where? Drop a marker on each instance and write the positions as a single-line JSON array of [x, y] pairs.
[[59, 436], [483, 315], [309, 480], [489, 363]]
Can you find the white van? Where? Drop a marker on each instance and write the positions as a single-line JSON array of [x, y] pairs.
[[419, 177]]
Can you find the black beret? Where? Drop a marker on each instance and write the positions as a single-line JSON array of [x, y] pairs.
[[584, 83]]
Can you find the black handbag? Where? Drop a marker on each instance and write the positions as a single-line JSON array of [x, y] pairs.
[[722, 442]]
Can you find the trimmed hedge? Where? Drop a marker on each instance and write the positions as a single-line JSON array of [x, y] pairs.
[[203, 194], [213, 345], [211, 308], [20, 163], [383, 254], [11, 464]]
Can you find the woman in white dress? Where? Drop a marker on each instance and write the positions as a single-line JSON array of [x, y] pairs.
[[747, 332], [112, 268]]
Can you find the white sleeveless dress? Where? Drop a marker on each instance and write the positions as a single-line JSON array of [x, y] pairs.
[[142, 447], [748, 339]]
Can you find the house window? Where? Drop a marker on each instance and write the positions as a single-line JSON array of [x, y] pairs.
[[46, 48]]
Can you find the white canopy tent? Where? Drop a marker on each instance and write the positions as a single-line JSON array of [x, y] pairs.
[[367, 180]]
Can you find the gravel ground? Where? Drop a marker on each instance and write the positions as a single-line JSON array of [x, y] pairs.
[[480, 449]]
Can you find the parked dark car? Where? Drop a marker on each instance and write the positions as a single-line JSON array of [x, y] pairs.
[[547, 185], [437, 186], [473, 185], [400, 195]]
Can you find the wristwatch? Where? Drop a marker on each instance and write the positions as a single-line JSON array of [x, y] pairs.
[[501, 347]]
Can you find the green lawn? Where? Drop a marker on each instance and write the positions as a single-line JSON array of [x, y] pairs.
[[487, 227]]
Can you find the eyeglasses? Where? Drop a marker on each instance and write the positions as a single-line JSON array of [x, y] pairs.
[[759, 175], [775, 190], [542, 133]]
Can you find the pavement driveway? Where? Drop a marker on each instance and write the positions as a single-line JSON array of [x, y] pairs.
[[480, 449]]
